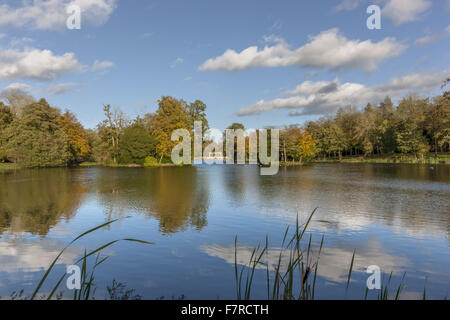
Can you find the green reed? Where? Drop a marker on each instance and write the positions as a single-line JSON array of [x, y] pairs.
[[296, 280], [87, 277]]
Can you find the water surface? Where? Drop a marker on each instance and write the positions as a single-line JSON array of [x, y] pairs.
[[394, 216]]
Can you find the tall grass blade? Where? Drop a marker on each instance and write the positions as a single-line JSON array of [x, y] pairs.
[[350, 271]]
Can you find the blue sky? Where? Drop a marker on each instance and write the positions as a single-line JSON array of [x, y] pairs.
[[288, 61]]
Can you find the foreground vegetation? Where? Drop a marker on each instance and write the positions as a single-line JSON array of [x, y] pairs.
[[34, 134], [88, 286], [292, 276]]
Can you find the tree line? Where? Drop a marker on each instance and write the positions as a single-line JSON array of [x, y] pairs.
[[413, 128], [34, 134]]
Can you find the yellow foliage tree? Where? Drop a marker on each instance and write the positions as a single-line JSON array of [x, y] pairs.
[[171, 115], [78, 138], [306, 146]]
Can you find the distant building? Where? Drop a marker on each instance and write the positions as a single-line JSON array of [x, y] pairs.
[[214, 156]]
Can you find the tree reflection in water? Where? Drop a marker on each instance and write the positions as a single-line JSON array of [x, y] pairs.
[[177, 197], [36, 200]]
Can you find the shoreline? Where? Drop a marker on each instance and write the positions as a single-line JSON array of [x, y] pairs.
[[442, 159]]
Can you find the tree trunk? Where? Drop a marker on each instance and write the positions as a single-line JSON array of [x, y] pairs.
[[435, 148]]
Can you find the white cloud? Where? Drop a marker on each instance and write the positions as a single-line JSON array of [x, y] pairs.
[[314, 98], [15, 86], [272, 39], [277, 25], [176, 62], [102, 65], [347, 5], [35, 64], [20, 42], [399, 11], [329, 49], [51, 14], [147, 34], [18, 86], [309, 87], [402, 11], [60, 88], [18, 255], [333, 261], [433, 38]]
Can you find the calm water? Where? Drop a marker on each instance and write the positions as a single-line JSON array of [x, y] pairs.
[[395, 216]]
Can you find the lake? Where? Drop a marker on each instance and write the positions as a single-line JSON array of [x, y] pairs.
[[395, 216]]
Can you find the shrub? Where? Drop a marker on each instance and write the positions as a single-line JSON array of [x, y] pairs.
[[151, 162]]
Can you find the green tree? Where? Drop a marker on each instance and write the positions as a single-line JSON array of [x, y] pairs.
[[109, 131], [197, 112], [347, 120], [289, 138], [233, 126], [409, 133], [35, 139], [6, 118], [136, 145], [437, 121], [409, 138]]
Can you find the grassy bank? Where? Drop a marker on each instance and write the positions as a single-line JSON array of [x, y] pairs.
[[98, 164], [103, 165], [8, 166], [4, 167], [442, 158]]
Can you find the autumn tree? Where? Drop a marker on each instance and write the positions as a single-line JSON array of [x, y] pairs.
[[306, 147], [171, 115], [289, 137], [77, 135]]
